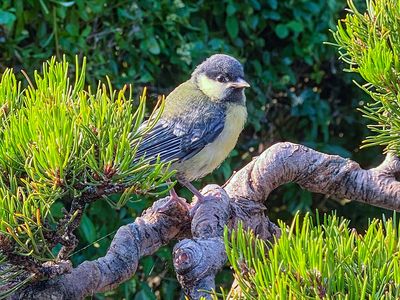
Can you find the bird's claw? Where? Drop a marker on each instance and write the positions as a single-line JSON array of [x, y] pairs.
[[176, 200]]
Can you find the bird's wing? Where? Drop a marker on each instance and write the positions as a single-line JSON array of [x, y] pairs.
[[183, 136]]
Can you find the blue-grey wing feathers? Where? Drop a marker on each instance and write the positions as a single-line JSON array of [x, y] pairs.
[[182, 137]]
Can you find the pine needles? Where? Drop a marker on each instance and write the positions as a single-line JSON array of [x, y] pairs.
[[369, 44], [60, 142], [322, 260]]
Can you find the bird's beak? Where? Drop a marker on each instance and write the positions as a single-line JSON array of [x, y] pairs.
[[240, 83]]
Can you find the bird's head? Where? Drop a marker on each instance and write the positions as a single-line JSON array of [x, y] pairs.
[[221, 78]]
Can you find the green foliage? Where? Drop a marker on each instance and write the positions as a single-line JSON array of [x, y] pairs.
[[60, 142], [160, 42], [321, 260], [297, 92], [369, 44], [328, 259], [12, 278], [133, 41]]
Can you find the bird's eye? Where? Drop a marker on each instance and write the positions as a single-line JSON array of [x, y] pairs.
[[222, 78]]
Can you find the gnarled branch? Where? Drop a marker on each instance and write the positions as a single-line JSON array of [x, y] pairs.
[[199, 258], [317, 172], [131, 242]]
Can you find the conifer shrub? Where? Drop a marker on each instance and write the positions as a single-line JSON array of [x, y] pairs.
[[327, 259], [318, 259], [63, 143]]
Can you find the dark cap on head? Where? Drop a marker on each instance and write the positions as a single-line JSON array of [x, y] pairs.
[[220, 64]]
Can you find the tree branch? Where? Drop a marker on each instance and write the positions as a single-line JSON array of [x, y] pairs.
[[198, 259], [72, 219], [131, 242], [317, 172]]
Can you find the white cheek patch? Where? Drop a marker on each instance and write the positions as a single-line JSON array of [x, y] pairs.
[[213, 89]]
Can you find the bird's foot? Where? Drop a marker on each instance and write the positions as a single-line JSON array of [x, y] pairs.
[[173, 197], [200, 197], [200, 200]]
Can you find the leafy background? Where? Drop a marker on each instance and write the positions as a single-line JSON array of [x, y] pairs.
[[299, 92]]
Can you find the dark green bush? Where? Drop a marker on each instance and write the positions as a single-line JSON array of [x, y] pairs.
[[148, 40], [298, 91]]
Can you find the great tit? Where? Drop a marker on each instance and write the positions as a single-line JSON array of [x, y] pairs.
[[201, 121]]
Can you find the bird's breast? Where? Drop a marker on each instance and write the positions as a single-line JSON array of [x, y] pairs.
[[213, 154]]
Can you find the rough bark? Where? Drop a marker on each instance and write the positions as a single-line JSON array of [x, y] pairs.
[[131, 242], [317, 172], [199, 257]]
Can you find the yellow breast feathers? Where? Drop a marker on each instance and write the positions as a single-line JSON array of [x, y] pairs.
[[213, 154]]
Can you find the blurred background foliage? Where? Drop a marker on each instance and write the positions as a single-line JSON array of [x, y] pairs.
[[299, 92]]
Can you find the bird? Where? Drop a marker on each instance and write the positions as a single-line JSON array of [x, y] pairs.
[[200, 123]]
